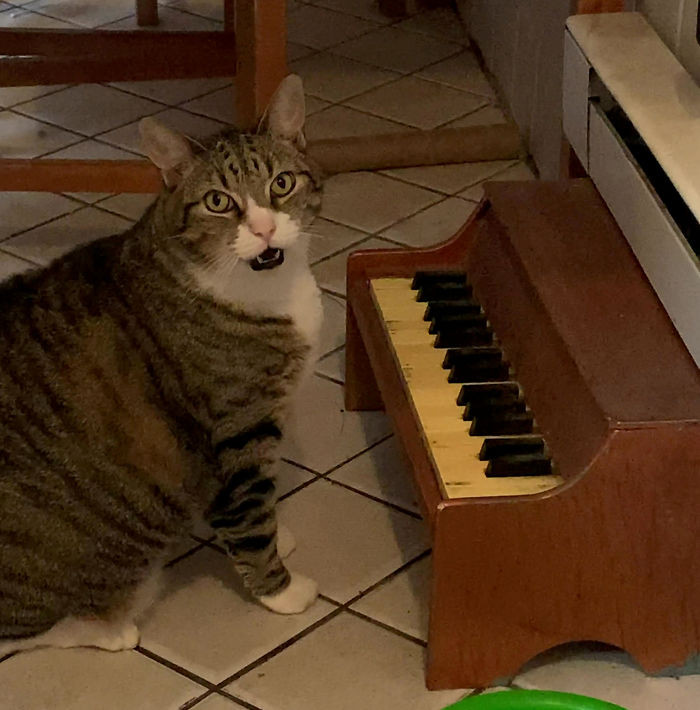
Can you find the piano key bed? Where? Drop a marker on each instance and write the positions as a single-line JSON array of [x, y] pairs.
[[480, 433]]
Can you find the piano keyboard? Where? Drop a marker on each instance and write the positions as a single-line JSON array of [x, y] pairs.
[[481, 435]]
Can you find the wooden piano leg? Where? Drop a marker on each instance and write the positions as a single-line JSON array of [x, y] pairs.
[[361, 391], [470, 645]]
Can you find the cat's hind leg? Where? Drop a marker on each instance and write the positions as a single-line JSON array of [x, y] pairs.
[[71, 632]]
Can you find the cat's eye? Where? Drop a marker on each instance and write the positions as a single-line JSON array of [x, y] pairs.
[[218, 201], [283, 184]]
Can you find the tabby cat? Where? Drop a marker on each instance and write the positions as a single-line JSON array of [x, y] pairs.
[[144, 382]]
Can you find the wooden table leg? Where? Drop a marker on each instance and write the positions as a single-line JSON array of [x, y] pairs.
[[147, 12], [261, 55]]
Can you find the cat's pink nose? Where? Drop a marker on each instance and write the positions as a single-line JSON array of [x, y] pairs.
[[265, 232]]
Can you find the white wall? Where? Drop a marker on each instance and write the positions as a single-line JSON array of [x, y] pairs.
[[522, 45]]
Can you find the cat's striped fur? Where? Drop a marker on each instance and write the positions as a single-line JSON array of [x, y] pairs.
[[141, 386]]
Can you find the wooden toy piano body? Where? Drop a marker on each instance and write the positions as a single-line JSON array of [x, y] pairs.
[[612, 553]]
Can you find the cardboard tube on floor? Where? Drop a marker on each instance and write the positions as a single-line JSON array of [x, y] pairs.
[[499, 141]]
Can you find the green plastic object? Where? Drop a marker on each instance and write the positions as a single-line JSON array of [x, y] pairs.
[[532, 700]]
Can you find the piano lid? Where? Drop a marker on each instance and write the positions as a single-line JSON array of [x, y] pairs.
[[636, 366]]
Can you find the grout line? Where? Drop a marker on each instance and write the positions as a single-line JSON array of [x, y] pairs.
[[300, 465], [175, 667], [4, 252], [333, 469], [79, 206], [388, 578], [179, 558], [195, 701], [395, 506], [278, 649], [240, 701], [175, 105], [387, 627], [328, 378], [45, 14], [300, 487]]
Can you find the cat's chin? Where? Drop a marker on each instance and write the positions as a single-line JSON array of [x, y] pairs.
[[268, 259]]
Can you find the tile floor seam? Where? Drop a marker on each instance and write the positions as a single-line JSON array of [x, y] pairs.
[[184, 11], [410, 125], [323, 376], [80, 206], [45, 14], [176, 668], [57, 90], [403, 74], [279, 649], [82, 136], [3, 252], [393, 80], [387, 627], [374, 28], [301, 466], [77, 134], [394, 506], [356, 455], [175, 105], [340, 251], [106, 210], [388, 578], [193, 702], [391, 22], [329, 353], [300, 487], [330, 292], [184, 555], [245, 703]]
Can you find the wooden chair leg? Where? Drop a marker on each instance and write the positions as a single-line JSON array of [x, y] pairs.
[[147, 12], [261, 55]]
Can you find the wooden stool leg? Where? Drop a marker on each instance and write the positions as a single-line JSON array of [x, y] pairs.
[[361, 391], [261, 55], [147, 12]]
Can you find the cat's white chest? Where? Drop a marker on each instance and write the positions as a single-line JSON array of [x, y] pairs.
[[305, 308]]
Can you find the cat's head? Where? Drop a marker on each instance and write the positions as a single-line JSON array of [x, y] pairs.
[[238, 199]]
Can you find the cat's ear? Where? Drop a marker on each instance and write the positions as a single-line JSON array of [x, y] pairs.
[[285, 114], [169, 150]]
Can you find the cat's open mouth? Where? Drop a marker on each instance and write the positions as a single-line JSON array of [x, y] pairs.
[[268, 259]]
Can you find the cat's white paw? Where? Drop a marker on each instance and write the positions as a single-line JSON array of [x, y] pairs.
[[123, 638], [286, 544], [298, 596]]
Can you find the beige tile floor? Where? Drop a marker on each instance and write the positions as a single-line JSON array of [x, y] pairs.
[[345, 492]]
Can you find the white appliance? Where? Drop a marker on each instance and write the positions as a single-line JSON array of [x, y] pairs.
[[632, 115]]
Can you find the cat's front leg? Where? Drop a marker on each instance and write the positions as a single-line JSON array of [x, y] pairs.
[[243, 517]]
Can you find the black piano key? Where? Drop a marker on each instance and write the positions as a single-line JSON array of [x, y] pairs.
[[519, 465], [497, 372], [487, 355], [464, 337], [508, 424], [448, 291], [494, 409], [511, 446], [473, 392], [423, 278], [438, 308], [444, 323]]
